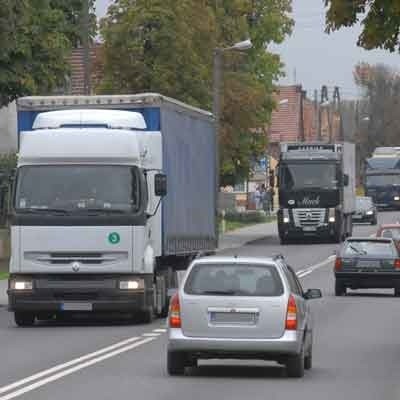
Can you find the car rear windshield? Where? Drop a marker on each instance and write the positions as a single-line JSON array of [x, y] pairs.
[[372, 248], [234, 280], [391, 233]]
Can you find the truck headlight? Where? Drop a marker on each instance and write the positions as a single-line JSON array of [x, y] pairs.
[[21, 285], [286, 218], [396, 198], [331, 217], [370, 212], [132, 284]]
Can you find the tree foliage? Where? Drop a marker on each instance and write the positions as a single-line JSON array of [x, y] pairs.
[[35, 39], [378, 116], [167, 46], [380, 20]]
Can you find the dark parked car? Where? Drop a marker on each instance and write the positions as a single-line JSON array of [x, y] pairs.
[[367, 263], [365, 211]]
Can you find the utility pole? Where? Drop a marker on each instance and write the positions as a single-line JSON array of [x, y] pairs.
[[86, 47], [337, 102]]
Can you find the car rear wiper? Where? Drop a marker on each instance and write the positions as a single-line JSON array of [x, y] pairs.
[[219, 292], [359, 252]]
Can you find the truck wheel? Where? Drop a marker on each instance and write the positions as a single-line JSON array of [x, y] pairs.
[[147, 316], [397, 292], [176, 363], [374, 221], [24, 318], [340, 289], [295, 365]]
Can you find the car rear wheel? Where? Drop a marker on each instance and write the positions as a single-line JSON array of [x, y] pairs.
[[340, 289], [176, 363], [24, 318], [295, 365]]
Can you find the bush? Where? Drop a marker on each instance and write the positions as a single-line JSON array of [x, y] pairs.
[[255, 216]]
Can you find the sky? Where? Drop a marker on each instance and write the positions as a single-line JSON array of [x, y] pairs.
[[314, 58]]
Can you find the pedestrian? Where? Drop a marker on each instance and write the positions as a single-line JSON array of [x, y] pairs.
[[267, 201], [272, 199]]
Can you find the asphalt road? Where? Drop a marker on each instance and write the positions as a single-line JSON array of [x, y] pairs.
[[356, 350]]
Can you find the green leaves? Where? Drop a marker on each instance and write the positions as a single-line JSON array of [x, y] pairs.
[[380, 20], [36, 37], [167, 46]]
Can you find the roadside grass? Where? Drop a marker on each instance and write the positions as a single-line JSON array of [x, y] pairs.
[[4, 275], [234, 225]]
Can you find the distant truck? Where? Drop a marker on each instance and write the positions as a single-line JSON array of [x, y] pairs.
[[316, 191], [382, 177], [113, 195]]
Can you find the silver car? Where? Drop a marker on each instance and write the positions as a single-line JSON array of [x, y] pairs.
[[240, 308]]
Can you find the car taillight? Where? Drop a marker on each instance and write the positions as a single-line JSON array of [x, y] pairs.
[[291, 315], [397, 263], [175, 312], [338, 264]]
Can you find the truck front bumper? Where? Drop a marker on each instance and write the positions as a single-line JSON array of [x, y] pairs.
[[290, 231], [62, 293]]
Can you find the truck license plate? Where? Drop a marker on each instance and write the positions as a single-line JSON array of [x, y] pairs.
[[75, 306], [309, 228]]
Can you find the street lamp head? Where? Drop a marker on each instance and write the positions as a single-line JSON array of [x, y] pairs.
[[242, 46]]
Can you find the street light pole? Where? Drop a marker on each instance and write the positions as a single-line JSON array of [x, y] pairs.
[[217, 84], [217, 73]]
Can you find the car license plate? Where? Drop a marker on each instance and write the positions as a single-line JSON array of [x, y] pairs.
[[75, 306], [369, 264], [309, 228], [237, 318]]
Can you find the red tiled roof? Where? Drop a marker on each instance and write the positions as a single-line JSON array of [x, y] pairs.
[[286, 120], [76, 61]]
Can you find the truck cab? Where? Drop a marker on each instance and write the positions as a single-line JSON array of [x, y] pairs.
[[316, 191], [85, 221]]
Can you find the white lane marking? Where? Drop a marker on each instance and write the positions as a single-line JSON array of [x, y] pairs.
[[65, 365], [151, 334], [312, 268], [69, 371], [160, 330]]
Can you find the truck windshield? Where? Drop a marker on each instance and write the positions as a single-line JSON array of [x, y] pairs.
[[382, 180], [308, 175], [77, 188]]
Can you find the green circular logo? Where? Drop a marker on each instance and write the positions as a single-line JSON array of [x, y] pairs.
[[114, 238]]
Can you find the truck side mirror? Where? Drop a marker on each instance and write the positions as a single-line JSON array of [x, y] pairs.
[[345, 180], [272, 178], [160, 185]]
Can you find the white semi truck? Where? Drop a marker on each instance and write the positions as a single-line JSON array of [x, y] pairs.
[[94, 228]]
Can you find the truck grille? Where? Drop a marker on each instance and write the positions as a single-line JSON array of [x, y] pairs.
[[309, 217], [66, 258]]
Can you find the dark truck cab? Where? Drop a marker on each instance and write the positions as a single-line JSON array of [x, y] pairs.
[[316, 191]]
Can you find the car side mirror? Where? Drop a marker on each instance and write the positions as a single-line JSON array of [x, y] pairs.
[[346, 180], [313, 294], [160, 185]]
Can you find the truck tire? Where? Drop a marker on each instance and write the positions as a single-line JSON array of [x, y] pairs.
[[24, 318], [295, 365], [340, 289], [147, 316], [176, 362]]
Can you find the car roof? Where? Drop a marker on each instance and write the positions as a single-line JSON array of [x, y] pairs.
[[389, 226], [369, 239], [237, 260]]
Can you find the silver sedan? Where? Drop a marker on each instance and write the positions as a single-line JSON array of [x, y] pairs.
[[240, 308]]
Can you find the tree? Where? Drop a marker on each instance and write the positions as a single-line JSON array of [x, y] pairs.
[[378, 116], [380, 20], [35, 39], [167, 46]]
